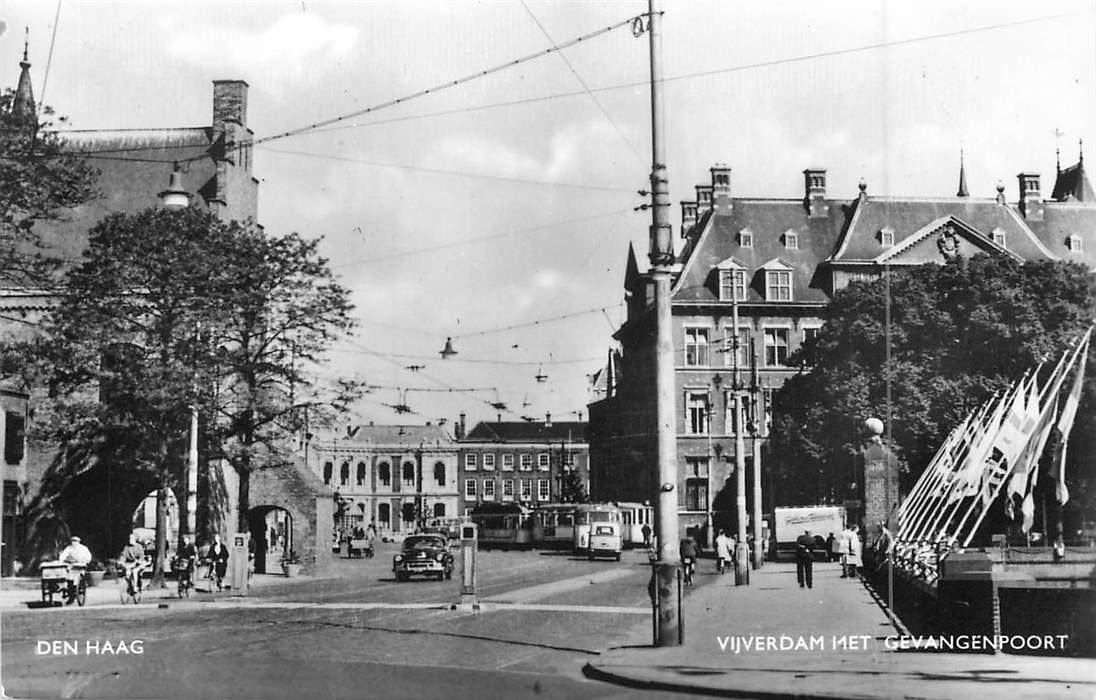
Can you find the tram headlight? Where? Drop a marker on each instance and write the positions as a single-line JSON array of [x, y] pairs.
[[440, 556]]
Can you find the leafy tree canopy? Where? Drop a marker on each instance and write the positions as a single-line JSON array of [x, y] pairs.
[[38, 182], [959, 332]]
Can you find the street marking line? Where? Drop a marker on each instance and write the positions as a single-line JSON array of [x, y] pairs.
[[525, 595]]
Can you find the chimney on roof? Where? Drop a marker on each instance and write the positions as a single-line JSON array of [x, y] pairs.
[[721, 188], [688, 218], [229, 103], [1031, 200], [548, 420], [460, 426], [703, 200], [814, 181]]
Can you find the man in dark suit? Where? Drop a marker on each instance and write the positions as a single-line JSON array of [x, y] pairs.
[[218, 558], [804, 559]]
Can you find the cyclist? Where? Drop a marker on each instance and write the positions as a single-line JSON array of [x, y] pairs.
[[689, 554], [78, 557], [184, 560], [134, 560], [724, 551]]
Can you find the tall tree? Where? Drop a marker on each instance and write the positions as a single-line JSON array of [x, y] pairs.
[[959, 332], [174, 309], [38, 183]]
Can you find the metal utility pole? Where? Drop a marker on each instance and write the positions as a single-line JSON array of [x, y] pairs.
[[758, 431], [668, 628], [741, 549]]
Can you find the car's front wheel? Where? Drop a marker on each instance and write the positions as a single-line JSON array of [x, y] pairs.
[[400, 577]]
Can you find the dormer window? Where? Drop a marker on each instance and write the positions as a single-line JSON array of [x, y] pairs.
[[745, 238], [886, 236], [791, 240], [1074, 244], [732, 285], [732, 280], [778, 280], [998, 236]]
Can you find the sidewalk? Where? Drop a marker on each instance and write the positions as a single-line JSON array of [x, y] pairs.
[[830, 641], [26, 593]]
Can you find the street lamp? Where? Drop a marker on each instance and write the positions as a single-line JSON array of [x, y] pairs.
[[175, 196]]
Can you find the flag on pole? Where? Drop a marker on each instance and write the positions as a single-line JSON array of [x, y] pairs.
[[1065, 425]]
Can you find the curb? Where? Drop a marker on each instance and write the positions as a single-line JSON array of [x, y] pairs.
[[600, 674]]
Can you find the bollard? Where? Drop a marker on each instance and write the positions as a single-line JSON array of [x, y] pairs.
[[468, 544]]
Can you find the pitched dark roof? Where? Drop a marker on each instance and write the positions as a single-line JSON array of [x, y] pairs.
[[521, 431], [401, 435], [861, 240], [1073, 183], [768, 221]]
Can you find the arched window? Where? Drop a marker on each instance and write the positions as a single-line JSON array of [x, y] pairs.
[[409, 474], [439, 510], [344, 474], [384, 474], [328, 467], [361, 473], [439, 473], [384, 514]]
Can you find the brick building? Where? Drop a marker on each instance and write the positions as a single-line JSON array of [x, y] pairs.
[[395, 476], [775, 263], [135, 167], [521, 462]]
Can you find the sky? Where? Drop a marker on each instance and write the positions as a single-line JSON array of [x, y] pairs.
[[498, 212]]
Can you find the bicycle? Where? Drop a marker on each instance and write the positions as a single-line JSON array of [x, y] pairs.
[[183, 573], [214, 579], [687, 566], [130, 582]]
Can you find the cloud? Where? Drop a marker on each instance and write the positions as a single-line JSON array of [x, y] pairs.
[[295, 45]]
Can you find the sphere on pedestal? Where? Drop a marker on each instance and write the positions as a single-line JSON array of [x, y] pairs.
[[874, 426]]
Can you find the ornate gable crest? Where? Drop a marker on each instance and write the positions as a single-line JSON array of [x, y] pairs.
[[948, 242]]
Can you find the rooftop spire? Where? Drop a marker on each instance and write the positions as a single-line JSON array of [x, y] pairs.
[[22, 107], [962, 177], [1080, 152]]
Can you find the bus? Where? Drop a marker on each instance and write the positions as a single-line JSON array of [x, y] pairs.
[[503, 526], [554, 526], [598, 530], [633, 517]]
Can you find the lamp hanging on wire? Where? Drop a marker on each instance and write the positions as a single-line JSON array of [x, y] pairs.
[[448, 350], [175, 196]]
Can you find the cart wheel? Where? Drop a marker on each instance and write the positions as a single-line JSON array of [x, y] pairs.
[[82, 593]]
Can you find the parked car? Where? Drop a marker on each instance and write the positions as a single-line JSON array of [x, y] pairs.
[[425, 555]]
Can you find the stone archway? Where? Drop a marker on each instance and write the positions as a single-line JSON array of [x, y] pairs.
[[308, 506], [271, 529]]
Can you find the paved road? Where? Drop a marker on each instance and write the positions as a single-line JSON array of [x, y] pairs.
[[358, 635]]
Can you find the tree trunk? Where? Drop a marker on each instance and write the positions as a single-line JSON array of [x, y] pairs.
[[161, 535], [244, 501]]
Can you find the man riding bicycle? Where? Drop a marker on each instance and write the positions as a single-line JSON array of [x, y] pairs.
[[690, 552], [134, 560], [77, 556]]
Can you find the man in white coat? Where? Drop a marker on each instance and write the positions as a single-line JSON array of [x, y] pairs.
[[852, 559]]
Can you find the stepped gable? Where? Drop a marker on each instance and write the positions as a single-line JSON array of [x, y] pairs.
[[768, 220]]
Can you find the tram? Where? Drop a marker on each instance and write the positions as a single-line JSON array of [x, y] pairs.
[[503, 526], [554, 526], [598, 530], [633, 517]]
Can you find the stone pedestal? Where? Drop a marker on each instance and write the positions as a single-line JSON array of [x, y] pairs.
[[880, 485]]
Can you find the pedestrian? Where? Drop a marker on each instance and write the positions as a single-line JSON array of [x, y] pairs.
[[853, 559], [843, 547], [646, 535], [218, 559], [804, 559], [724, 547], [831, 552]]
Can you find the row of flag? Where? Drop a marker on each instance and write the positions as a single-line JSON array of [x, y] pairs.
[[996, 448]]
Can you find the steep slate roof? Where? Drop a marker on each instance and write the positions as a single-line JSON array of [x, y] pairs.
[[768, 220], [135, 168], [860, 241], [401, 435], [521, 431], [1072, 182], [1060, 221]]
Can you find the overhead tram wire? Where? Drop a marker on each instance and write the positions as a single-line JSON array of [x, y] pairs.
[[463, 242], [481, 361], [331, 123], [455, 173], [527, 324], [586, 87]]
